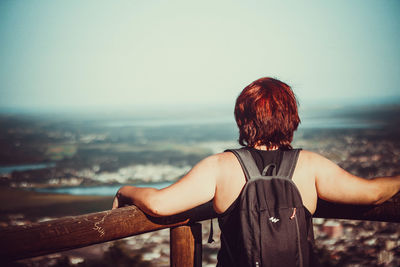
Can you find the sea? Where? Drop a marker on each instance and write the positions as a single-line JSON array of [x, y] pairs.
[[172, 132]]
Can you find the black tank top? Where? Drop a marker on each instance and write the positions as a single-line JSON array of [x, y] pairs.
[[229, 220]]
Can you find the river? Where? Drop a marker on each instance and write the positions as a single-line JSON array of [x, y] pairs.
[[101, 190]]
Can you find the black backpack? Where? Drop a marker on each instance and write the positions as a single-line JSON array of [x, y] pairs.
[[275, 228]]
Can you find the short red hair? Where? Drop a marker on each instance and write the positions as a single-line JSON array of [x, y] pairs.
[[266, 114]]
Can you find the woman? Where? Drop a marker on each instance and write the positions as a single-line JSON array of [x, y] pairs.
[[266, 114]]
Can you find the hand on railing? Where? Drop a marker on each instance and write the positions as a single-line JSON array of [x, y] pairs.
[[120, 200]]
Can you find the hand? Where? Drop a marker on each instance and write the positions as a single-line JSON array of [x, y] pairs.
[[120, 199]]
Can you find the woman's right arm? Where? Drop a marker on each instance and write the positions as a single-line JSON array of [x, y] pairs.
[[195, 188], [337, 185]]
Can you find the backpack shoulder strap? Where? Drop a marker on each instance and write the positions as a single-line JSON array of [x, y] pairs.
[[288, 163], [246, 161]]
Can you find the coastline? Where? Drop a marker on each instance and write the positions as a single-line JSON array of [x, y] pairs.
[[31, 206]]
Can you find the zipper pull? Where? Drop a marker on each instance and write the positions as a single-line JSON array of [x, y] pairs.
[[293, 214]]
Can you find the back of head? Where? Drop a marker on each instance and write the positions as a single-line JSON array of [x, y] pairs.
[[266, 114]]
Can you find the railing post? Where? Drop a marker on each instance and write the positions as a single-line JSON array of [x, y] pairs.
[[186, 246]]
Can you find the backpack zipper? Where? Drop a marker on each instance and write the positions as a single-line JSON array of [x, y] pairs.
[[298, 236]]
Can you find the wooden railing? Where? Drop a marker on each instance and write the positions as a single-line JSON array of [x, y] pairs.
[[19, 242]]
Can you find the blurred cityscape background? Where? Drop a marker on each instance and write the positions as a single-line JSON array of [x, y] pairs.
[[96, 95]]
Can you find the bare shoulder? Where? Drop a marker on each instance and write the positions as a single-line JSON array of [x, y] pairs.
[[311, 160], [309, 164], [225, 162], [221, 164], [304, 178], [228, 168], [229, 181], [307, 160], [224, 156], [319, 164], [221, 159], [310, 156]]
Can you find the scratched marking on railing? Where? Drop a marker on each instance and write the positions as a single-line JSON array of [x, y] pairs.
[[99, 228]]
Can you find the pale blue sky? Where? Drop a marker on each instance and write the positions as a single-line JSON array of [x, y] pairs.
[[75, 54]]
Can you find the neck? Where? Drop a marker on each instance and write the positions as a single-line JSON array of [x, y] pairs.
[[264, 147]]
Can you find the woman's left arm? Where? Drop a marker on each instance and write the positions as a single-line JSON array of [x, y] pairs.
[[195, 188], [337, 185]]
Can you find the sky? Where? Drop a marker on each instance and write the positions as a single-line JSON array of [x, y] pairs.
[[111, 54]]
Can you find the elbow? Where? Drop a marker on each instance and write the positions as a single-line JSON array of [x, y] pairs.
[[378, 197], [154, 206], [155, 211], [377, 200], [382, 193]]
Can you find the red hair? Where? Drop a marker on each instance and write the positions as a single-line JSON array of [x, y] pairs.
[[266, 114]]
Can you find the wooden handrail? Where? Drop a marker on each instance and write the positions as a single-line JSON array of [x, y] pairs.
[[18, 242], [388, 211]]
